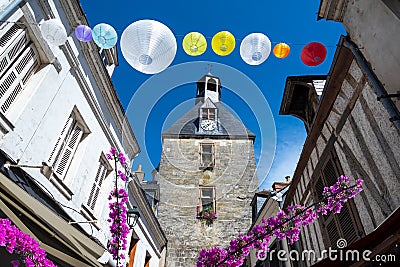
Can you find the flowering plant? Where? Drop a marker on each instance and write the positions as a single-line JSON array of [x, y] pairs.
[[118, 213], [208, 215], [286, 224], [21, 243]]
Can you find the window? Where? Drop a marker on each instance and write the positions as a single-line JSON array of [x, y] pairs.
[[18, 62], [207, 154], [208, 113], [102, 171], [152, 200], [132, 249], [346, 223], [206, 200], [147, 260], [212, 85], [66, 145]]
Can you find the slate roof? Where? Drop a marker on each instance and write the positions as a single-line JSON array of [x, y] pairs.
[[230, 126]]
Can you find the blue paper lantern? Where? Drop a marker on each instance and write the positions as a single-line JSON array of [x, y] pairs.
[[83, 33], [104, 36]]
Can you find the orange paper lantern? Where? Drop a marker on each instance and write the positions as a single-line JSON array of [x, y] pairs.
[[281, 50]]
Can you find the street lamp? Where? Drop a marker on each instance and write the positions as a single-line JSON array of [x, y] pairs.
[[133, 216]]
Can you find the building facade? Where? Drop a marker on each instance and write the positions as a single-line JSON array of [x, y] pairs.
[[207, 169], [59, 116], [353, 133], [148, 246], [271, 203], [373, 26]]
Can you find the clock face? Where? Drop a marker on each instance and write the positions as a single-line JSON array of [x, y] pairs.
[[208, 125]]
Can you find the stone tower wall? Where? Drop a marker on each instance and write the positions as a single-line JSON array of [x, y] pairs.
[[235, 180]]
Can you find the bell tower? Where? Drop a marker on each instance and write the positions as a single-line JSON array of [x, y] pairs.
[[207, 177], [208, 86]]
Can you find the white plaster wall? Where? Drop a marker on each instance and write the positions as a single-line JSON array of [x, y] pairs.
[[39, 118], [364, 21]]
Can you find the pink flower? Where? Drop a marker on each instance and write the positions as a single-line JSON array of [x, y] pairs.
[[286, 224], [21, 243], [118, 218], [122, 175], [122, 158]]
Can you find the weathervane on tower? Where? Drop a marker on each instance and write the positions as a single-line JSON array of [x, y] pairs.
[[209, 67]]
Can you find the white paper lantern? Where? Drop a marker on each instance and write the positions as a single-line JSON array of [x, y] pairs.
[[53, 32], [148, 46], [255, 48]]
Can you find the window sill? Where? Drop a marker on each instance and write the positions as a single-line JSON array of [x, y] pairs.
[[87, 212], [63, 188], [5, 125], [206, 167]]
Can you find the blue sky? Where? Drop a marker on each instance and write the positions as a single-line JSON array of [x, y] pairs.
[[292, 22]]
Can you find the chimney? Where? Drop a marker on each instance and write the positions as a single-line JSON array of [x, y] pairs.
[[287, 179], [139, 173]]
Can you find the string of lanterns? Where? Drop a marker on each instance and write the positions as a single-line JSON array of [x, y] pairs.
[[150, 46]]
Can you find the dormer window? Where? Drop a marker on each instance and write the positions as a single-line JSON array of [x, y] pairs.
[[208, 113]]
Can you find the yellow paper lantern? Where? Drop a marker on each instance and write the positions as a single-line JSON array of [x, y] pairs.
[[194, 44], [223, 43], [281, 50]]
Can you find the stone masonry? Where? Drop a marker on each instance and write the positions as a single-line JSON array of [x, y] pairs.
[[235, 180]]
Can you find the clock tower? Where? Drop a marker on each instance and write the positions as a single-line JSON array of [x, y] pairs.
[[207, 177]]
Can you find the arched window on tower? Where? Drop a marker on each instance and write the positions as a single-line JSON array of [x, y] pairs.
[[212, 85]]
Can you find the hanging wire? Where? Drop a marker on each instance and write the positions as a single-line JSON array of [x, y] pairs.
[[61, 204], [19, 23], [179, 35]]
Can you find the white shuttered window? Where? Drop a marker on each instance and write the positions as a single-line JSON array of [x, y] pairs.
[[18, 62], [65, 147], [101, 174]]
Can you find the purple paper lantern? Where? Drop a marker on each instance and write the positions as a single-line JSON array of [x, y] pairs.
[[83, 33]]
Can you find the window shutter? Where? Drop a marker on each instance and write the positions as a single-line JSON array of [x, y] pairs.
[[17, 77], [330, 173], [11, 44], [69, 150], [18, 61], [319, 188], [60, 141], [347, 225], [333, 233], [341, 224], [94, 193]]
